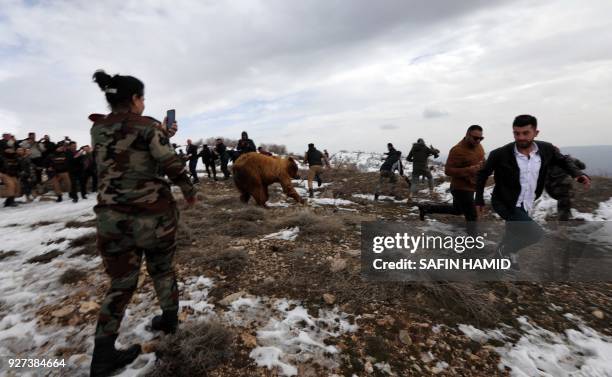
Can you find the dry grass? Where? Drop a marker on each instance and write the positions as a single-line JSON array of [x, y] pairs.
[[85, 240], [81, 224], [194, 350], [72, 276], [311, 224], [46, 257]]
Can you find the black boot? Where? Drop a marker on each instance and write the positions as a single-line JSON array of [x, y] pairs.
[[310, 193], [106, 359], [319, 181], [10, 202], [376, 196], [422, 211], [167, 322], [59, 198]]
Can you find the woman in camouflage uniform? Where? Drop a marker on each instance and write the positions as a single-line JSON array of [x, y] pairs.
[[136, 212]]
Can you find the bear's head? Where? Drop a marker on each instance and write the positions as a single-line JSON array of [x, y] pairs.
[[292, 168]]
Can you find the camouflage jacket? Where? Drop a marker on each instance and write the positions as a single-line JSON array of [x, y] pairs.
[[131, 152]]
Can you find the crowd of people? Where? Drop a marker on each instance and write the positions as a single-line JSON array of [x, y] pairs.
[[31, 167]]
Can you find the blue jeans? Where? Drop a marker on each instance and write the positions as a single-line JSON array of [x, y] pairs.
[[521, 230]]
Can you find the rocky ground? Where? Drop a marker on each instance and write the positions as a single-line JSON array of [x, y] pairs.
[[349, 326]]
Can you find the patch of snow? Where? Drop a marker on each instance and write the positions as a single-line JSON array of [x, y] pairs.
[[287, 234], [287, 334], [582, 352], [330, 201], [481, 336], [281, 204], [540, 352], [380, 198]]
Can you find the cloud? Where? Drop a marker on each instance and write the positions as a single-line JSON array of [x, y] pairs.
[[434, 113], [388, 127], [290, 71]]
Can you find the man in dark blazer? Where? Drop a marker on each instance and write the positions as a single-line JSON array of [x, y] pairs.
[[520, 169]]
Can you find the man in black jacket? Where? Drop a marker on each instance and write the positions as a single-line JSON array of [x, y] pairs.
[[392, 162], [520, 171], [315, 160], [192, 155], [245, 145], [208, 158], [221, 151]]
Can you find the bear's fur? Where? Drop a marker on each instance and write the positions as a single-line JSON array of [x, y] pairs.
[[254, 172]]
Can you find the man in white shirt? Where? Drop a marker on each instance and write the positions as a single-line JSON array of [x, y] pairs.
[[520, 170]]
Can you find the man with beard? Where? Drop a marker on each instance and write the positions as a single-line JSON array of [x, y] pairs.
[[520, 169], [464, 160]]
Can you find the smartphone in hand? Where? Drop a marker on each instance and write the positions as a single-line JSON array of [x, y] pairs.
[[170, 118]]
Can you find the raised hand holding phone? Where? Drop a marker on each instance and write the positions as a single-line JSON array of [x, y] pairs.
[[170, 122]]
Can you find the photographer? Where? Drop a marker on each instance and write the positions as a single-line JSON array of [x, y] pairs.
[[136, 213]]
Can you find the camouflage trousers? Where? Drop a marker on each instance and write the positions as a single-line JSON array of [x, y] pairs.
[[123, 239]]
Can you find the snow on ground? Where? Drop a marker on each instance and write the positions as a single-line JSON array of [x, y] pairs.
[[283, 339], [540, 352], [287, 334], [380, 198], [330, 201], [546, 206], [364, 161], [30, 230], [287, 234]]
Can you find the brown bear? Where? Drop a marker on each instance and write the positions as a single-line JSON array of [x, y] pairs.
[[254, 172]]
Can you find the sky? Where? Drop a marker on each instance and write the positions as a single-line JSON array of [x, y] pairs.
[[345, 75]]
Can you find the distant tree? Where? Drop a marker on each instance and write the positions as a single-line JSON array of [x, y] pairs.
[[230, 143], [274, 148]]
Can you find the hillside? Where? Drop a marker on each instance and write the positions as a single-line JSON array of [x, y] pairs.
[[284, 290]]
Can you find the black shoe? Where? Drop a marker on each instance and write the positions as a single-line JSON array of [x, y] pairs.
[[106, 359], [59, 198], [10, 202], [84, 196], [165, 322], [376, 196], [75, 199], [319, 182], [311, 193], [422, 211]]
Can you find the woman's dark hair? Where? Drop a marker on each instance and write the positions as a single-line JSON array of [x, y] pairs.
[[119, 90]]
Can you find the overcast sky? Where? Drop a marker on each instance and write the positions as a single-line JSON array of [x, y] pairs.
[[351, 75]]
